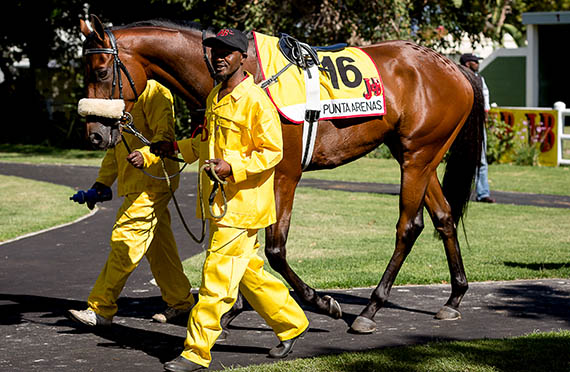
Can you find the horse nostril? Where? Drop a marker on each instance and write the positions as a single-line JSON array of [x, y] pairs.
[[95, 139]]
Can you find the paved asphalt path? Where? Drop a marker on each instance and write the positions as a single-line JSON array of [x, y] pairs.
[[44, 275]]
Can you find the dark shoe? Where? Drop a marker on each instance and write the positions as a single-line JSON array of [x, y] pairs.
[[170, 314], [285, 347], [486, 199], [181, 364]]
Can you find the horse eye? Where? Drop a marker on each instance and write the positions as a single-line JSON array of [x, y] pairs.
[[101, 74]]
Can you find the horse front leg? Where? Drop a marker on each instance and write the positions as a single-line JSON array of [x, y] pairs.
[[276, 252], [409, 226], [440, 213]]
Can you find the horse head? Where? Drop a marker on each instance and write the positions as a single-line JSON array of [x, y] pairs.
[[108, 69]]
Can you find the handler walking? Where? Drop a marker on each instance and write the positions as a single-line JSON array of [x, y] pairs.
[[142, 226], [243, 146]]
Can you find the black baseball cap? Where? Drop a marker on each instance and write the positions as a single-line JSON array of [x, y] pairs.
[[228, 37], [468, 57]]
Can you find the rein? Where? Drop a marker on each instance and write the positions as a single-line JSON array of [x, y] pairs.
[[218, 183]]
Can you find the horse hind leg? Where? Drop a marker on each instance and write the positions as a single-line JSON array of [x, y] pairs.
[[237, 308], [440, 213], [409, 226]]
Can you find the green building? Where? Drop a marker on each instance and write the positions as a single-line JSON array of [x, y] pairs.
[[536, 75]]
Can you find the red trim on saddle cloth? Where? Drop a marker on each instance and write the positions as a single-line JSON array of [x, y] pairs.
[[263, 77]]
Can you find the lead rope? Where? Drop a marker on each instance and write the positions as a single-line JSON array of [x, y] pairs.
[[203, 219], [218, 183]]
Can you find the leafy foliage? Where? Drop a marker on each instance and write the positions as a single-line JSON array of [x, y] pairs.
[[529, 147], [47, 34], [499, 139], [520, 146]]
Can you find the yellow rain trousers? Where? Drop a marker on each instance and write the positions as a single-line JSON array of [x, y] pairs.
[[232, 263], [142, 228]]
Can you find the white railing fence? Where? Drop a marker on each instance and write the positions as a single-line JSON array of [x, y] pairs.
[[563, 112]]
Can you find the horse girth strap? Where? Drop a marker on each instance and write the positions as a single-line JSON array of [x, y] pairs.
[[118, 66]]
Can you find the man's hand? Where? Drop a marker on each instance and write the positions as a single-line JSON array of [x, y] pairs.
[[222, 168], [136, 159], [162, 148], [99, 187]]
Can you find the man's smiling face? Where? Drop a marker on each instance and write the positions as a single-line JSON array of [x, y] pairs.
[[226, 62]]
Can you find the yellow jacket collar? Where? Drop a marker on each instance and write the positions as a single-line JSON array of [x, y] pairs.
[[240, 90]]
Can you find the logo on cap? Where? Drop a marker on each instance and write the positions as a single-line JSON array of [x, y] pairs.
[[225, 32]]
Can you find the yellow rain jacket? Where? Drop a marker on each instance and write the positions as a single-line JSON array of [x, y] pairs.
[[154, 118], [242, 131]]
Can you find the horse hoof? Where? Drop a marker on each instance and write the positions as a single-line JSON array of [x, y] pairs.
[[334, 307], [448, 313], [363, 325]]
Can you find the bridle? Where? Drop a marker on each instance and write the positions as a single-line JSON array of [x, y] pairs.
[[126, 121], [118, 66]]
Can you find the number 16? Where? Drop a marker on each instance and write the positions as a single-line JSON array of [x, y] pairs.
[[343, 66]]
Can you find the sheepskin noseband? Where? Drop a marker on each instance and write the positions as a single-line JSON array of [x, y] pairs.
[[107, 108]]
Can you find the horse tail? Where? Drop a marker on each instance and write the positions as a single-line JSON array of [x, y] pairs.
[[464, 158]]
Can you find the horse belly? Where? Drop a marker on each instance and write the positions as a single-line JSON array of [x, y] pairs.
[[342, 141]]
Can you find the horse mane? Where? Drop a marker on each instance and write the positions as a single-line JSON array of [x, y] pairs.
[[166, 23], [175, 24]]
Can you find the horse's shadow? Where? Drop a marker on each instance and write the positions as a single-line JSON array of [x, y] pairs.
[[349, 299], [159, 345]]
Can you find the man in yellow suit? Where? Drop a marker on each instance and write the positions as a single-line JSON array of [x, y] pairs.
[[142, 225], [242, 145]]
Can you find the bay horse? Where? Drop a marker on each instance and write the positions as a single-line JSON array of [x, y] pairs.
[[433, 106]]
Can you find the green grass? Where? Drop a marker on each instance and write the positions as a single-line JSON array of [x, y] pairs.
[[502, 177], [37, 154], [344, 240], [27, 206], [536, 352]]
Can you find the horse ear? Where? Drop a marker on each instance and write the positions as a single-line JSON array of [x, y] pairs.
[[98, 27], [85, 29]]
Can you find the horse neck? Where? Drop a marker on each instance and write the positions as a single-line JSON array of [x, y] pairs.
[[174, 58]]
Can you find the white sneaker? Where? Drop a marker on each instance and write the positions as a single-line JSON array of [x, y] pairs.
[[169, 314], [90, 318]]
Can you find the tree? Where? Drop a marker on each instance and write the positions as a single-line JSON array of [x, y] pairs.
[[46, 33], [503, 17]]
